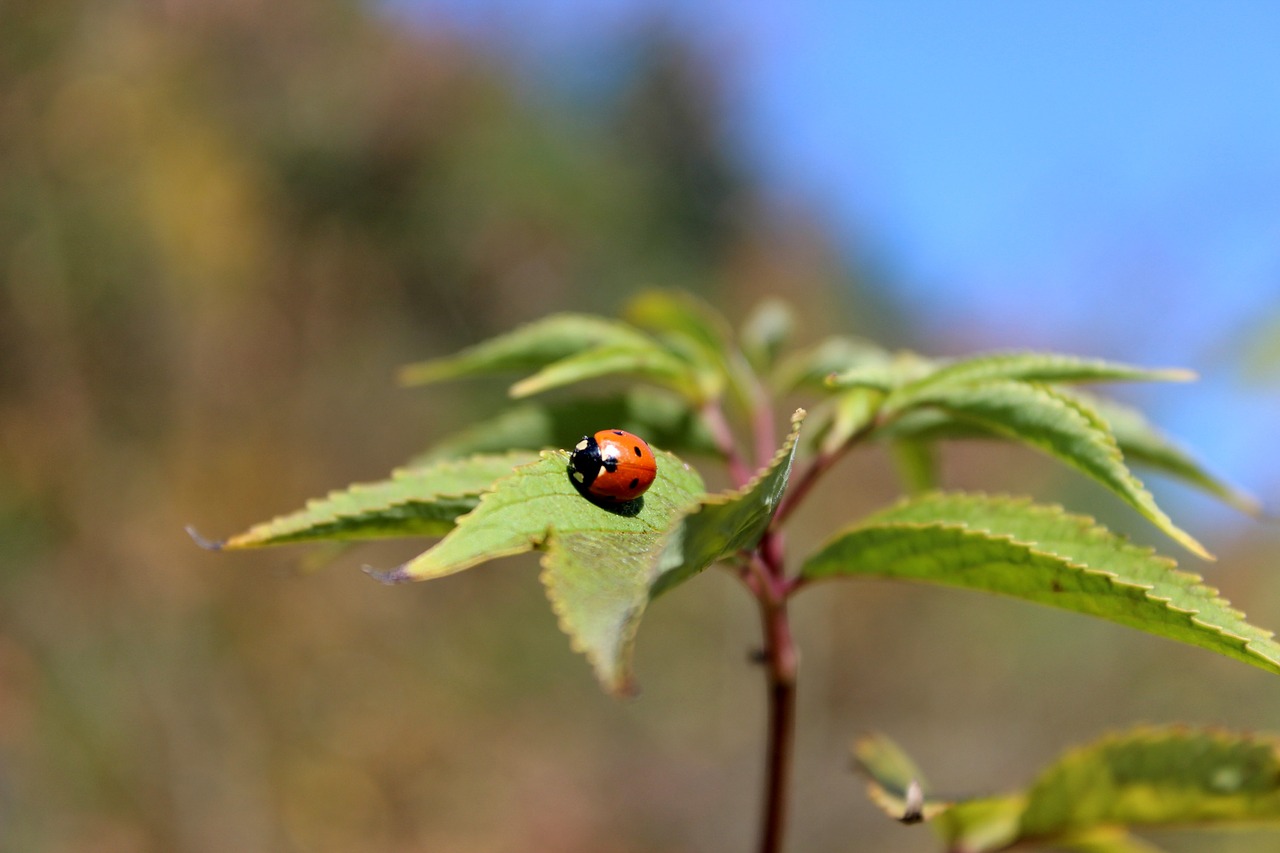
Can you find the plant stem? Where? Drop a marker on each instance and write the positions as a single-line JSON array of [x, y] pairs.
[[713, 414], [780, 663], [780, 660]]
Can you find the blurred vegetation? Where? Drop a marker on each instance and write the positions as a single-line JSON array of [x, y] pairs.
[[222, 227]]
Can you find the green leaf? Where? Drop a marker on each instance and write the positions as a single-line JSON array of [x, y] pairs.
[[973, 825], [650, 363], [1091, 797], [1042, 554], [1140, 443], [917, 463], [810, 368], [723, 524], [1063, 426], [894, 783], [530, 347], [1155, 777], [696, 330], [1028, 367], [850, 412], [1143, 444], [661, 418], [422, 501], [664, 312], [598, 563], [884, 375], [1106, 839], [766, 331]]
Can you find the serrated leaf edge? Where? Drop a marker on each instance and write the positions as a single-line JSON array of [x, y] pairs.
[[1090, 526], [433, 370], [401, 573], [797, 418], [622, 682], [1143, 501], [657, 568], [945, 371], [240, 540], [1150, 735]]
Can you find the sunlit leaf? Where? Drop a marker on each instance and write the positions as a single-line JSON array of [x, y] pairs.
[[530, 347], [1140, 443], [1027, 367], [885, 375], [723, 524], [1106, 839], [663, 312], [1061, 425], [894, 783], [809, 368], [692, 327], [598, 562], [845, 415], [1090, 798], [661, 418], [1042, 554], [917, 464], [767, 329], [1154, 777], [420, 501], [1144, 444], [650, 363]]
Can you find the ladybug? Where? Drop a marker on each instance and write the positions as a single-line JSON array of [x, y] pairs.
[[612, 465]]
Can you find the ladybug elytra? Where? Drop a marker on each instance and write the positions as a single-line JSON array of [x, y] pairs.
[[613, 465]]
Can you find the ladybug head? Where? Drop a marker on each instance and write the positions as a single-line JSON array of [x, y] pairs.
[[585, 462]]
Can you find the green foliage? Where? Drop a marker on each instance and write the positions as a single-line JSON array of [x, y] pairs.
[[662, 418], [598, 562], [720, 526], [1089, 797], [472, 487], [529, 348], [1143, 444], [1063, 426], [416, 501], [684, 378], [811, 368], [1044, 555]]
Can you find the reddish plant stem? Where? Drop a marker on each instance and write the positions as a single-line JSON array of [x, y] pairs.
[[713, 414], [819, 465], [780, 661]]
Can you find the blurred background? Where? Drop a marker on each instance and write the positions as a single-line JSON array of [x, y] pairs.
[[224, 225]]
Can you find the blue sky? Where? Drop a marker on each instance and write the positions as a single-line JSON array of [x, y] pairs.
[[1100, 176]]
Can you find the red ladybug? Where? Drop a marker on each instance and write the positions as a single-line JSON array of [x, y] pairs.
[[613, 465]]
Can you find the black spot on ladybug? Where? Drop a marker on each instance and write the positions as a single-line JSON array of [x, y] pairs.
[[634, 483], [618, 432], [637, 450], [610, 464]]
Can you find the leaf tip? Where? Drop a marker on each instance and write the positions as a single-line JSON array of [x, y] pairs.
[[1191, 544], [913, 810], [524, 388], [418, 373], [400, 574], [625, 687], [206, 544]]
